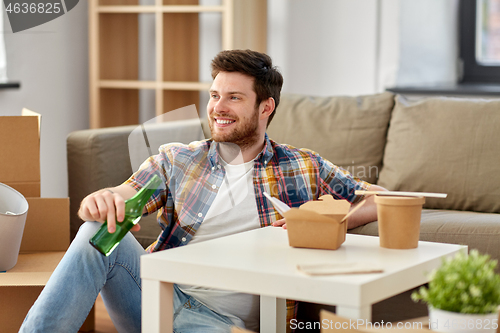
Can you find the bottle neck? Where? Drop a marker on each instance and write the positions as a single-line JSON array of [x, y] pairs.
[[135, 205]]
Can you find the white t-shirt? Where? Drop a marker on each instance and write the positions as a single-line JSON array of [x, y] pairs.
[[234, 210]]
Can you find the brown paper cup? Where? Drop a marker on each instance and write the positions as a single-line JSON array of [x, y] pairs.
[[399, 221]]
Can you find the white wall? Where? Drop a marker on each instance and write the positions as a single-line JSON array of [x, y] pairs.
[[428, 42], [352, 47], [322, 47], [51, 62], [325, 47]]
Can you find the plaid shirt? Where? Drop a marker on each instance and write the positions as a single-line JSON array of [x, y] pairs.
[[193, 174]]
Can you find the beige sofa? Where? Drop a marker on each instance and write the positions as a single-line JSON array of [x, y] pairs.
[[445, 145]]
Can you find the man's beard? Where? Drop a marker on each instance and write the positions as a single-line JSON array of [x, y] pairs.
[[244, 136]]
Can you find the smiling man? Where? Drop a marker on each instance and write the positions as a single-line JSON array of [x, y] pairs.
[[233, 114], [213, 188]]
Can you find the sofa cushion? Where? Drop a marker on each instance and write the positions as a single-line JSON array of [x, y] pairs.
[[348, 131], [445, 145]]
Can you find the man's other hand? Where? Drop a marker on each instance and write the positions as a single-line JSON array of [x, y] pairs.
[[280, 223]]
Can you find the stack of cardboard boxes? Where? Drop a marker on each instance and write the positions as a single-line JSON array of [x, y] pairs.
[[46, 233]]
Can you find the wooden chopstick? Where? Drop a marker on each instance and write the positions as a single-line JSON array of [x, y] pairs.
[[401, 193], [354, 210]]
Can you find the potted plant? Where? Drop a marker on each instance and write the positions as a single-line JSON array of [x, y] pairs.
[[463, 295]]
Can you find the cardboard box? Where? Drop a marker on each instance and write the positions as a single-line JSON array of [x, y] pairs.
[[45, 240], [318, 224], [47, 225], [20, 152], [331, 322]]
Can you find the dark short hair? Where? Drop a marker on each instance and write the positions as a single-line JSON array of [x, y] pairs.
[[267, 79]]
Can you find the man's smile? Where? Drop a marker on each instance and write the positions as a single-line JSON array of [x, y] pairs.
[[224, 121]]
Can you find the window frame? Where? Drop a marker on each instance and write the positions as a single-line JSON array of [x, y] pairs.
[[472, 72]]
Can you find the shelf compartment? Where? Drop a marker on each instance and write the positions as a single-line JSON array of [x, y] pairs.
[[119, 46], [180, 47], [122, 2], [179, 2], [127, 84], [191, 9], [118, 107], [175, 99], [127, 9], [163, 9]]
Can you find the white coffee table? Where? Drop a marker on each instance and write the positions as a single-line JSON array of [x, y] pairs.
[[261, 262]]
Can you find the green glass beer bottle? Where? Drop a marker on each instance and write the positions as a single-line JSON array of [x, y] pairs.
[[106, 242]]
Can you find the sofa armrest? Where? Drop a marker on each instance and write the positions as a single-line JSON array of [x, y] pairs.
[[99, 158]]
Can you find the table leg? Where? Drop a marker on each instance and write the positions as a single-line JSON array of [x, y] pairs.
[[353, 312], [272, 314], [157, 306]]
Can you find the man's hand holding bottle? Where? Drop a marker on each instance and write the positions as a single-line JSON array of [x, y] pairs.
[[107, 205]]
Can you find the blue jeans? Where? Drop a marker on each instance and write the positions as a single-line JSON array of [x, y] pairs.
[[83, 272]]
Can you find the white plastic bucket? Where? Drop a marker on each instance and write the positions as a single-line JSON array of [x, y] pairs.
[[13, 212]]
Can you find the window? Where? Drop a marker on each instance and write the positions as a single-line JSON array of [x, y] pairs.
[[480, 40]]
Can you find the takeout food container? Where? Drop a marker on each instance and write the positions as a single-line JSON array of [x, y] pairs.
[[317, 224], [399, 221]]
